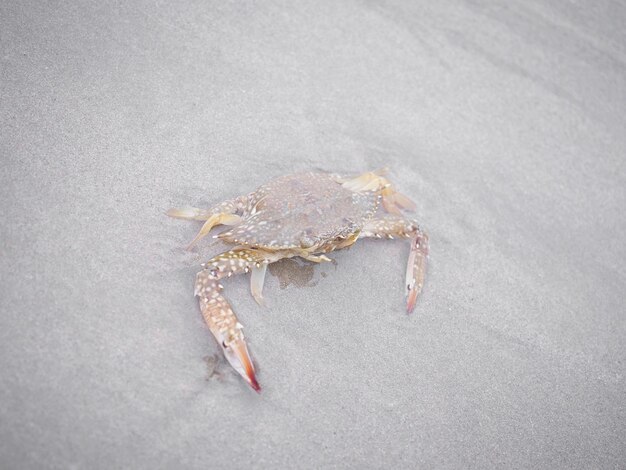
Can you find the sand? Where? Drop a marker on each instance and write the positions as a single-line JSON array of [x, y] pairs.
[[504, 122]]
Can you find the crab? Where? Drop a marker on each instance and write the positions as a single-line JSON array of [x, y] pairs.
[[307, 215]]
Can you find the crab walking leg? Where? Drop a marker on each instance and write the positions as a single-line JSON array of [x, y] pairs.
[[257, 279], [215, 219], [370, 181], [393, 226], [224, 213], [393, 201], [231, 206], [317, 258], [218, 313]]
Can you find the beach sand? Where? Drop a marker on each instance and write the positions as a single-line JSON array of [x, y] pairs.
[[504, 123]]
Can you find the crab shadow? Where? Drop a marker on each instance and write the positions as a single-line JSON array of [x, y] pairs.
[[296, 272]]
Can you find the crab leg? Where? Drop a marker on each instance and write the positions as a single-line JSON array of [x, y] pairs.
[[257, 279], [215, 219], [394, 226], [224, 213], [370, 181], [218, 313], [316, 258], [393, 201]]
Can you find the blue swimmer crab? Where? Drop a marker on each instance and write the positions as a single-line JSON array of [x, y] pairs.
[[304, 214]]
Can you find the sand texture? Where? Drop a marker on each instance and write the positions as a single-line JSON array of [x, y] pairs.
[[504, 121]]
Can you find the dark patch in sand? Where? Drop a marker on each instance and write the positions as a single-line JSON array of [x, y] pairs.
[[289, 271], [213, 364]]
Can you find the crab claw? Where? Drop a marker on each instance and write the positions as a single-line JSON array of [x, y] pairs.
[[239, 358], [415, 268], [411, 299], [222, 321]]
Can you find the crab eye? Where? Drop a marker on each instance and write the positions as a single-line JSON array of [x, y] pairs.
[[224, 345]]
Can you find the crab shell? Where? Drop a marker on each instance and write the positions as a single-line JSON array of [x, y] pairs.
[[304, 211]]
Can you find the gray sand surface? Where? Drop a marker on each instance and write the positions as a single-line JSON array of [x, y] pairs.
[[505, 121]]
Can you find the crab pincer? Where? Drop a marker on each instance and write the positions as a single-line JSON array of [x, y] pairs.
[[224, 325], [415, 268]]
